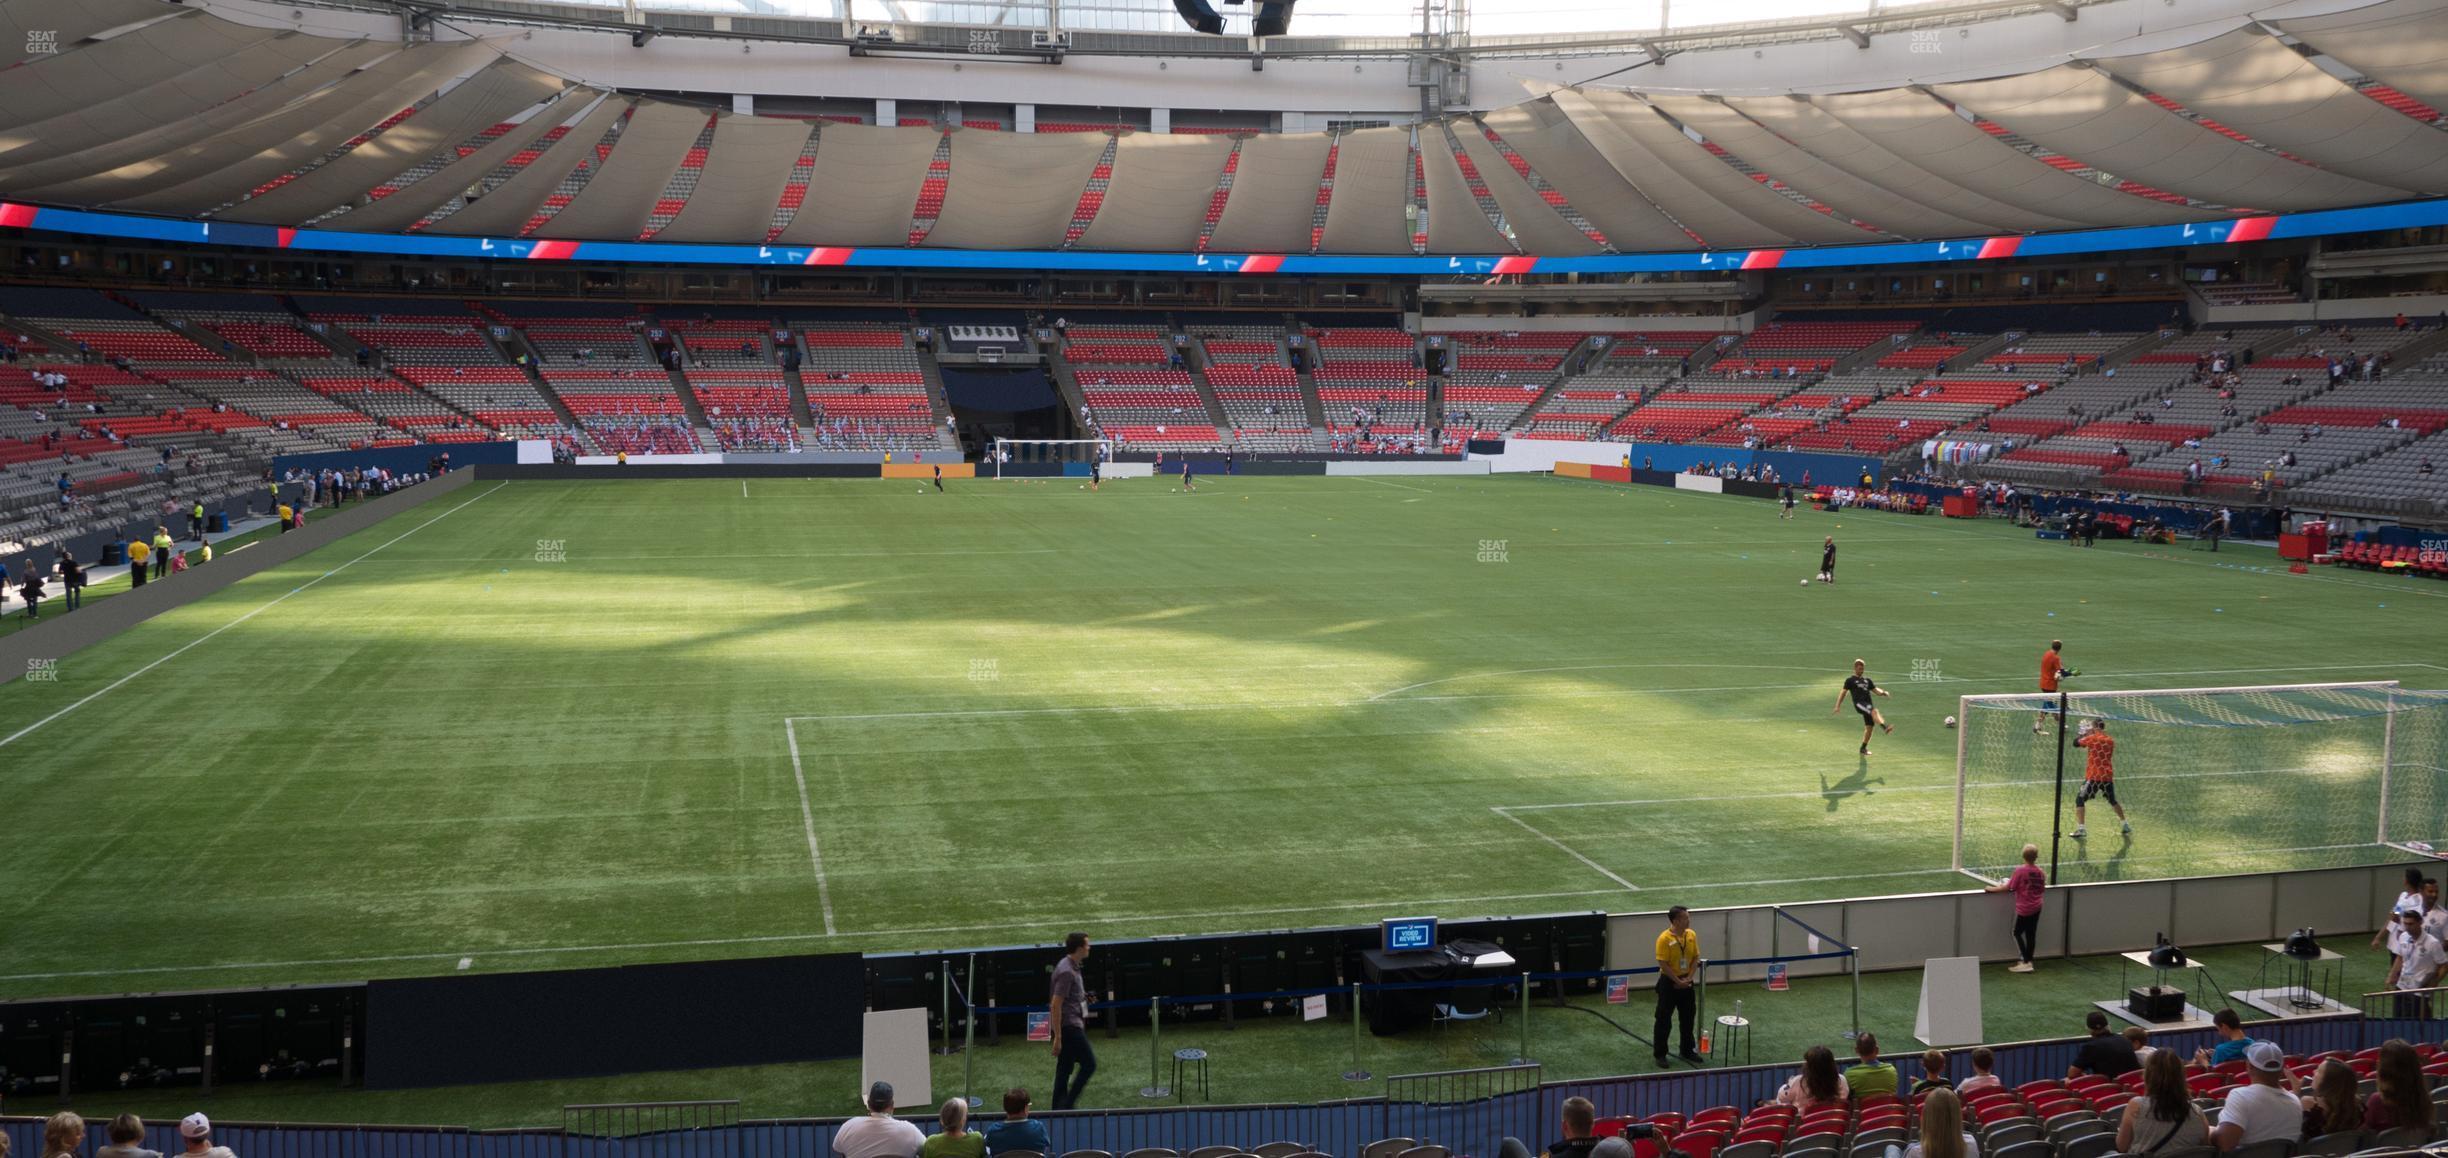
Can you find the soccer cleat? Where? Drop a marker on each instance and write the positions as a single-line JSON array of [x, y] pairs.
[[2020, 967], [1865, 749], [2126, 826], [2078, 832]]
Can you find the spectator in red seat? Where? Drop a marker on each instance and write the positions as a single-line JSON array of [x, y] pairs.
[[2103, 1053], [2334, 1105], [2162, 1118], [2260, 1111], [2402, 1099], [1580, 1134], [1818, 1085], [1982, 1061]]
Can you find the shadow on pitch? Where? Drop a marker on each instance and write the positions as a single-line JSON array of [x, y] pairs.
[[1857, 784]]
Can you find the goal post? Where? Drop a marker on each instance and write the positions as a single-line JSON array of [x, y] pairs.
[[1044, 450], [2213, 780]]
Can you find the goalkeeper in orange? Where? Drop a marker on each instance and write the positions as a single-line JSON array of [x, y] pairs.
[[2099, 775]]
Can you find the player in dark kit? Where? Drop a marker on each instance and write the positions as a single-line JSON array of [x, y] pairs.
[[1788, 500], [939, 476], [1827, 560], [1186, 483], [1096, 471], [1858, 688]]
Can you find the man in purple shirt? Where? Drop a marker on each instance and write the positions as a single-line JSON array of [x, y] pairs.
[[1070, 1017]]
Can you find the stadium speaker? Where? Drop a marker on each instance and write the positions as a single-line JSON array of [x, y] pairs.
[[1273, 19], [2165, 955], [2301, 945], [1200, 15]]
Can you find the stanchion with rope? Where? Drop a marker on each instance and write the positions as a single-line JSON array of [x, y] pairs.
[[1523, 1058], [1155, 1087], [969, 1039], [1355, 1073]]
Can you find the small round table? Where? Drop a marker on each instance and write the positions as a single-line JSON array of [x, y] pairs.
[[1196, 1061], [1732, 1033]]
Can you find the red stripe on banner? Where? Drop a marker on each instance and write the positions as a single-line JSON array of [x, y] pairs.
[[1515, 265], [2000, 247], [16, 216], [829, 256], [1262, 263], [1763, 258], [2251, 229], [287, 235], [552, 251]]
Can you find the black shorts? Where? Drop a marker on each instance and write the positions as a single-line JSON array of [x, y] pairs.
[[1866, 711], [2104, 789]]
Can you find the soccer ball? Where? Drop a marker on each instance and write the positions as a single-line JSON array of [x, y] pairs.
[[1806, 583], [1950, 721]]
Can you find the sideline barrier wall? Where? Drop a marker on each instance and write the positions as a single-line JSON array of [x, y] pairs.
[[401, 459], [926, 470], [1542, 454], [1404, 466], [66, 632], [1902, 932]]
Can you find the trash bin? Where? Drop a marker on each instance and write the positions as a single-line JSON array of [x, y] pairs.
[[219, 522]]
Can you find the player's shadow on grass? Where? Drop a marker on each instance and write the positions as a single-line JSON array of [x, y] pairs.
[[2116, 852], [1857, 784]]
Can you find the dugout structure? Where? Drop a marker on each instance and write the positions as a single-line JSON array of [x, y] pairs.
[[2215, 779]]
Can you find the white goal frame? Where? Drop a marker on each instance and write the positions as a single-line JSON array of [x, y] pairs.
[[995, 452], [2071, 701]]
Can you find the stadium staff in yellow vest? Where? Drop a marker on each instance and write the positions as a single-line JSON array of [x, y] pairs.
[[1678, 958], [195, 520], [162, 546], [138, 552], [287, 515]]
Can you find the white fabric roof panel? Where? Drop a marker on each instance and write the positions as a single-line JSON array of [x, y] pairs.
[[410, 203], [2083, 114], [60, 24], [621, 195], [1838, 144], [1560, 155], [148, 152], [1158, 199], [2259, 87], [865, 182], [1456, 223], [1798, 169], [1720, 182], [54, 85], [1274, 195], [1536, 225], [744, 174], [1372, 171], [504, 209], [2400, 43], [1719, 226], [486, 99], [1927, 133], [143, 109], [1014, 190], [227, 167]]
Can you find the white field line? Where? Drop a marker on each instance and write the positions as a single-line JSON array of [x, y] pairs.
[[1594, 866], [115, 685], [1384, 483], [807, 818]]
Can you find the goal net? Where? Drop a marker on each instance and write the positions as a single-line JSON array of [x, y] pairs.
[[2212, 780], [1039, 450]]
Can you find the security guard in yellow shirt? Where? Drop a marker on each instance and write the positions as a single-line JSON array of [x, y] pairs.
[[137, 552], [1678, 957]]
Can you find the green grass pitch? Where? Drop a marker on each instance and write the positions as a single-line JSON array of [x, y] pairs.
[[541, 725]]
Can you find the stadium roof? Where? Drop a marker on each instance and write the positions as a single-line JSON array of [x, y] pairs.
[[149, 107]]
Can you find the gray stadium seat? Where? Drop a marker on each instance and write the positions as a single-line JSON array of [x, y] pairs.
[[2342, 1142], [1280, 1149], [1387, 1147], [1153, 1152], [2087, 1146]]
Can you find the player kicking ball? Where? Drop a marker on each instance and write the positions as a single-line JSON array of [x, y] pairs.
[[1827, 560], [1858, 688], [2099, 775]]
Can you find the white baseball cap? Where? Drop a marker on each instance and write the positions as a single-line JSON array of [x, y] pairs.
[[195, 1126], [2264, 1055]]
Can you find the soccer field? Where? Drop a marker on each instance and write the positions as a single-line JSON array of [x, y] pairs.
[[537, 725]]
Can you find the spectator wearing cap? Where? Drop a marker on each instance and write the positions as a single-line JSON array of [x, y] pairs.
[[1018, 1131], [2260, 1111], [125, 1132], [957, 1140], [878, 1134], [196, 1129], [2104, 1054]]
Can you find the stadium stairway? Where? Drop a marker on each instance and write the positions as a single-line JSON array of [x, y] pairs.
[[802, 415], [1194, 359], [939, 402], [692, 408], [1868, 356], [515, 344], [2129, 351]]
